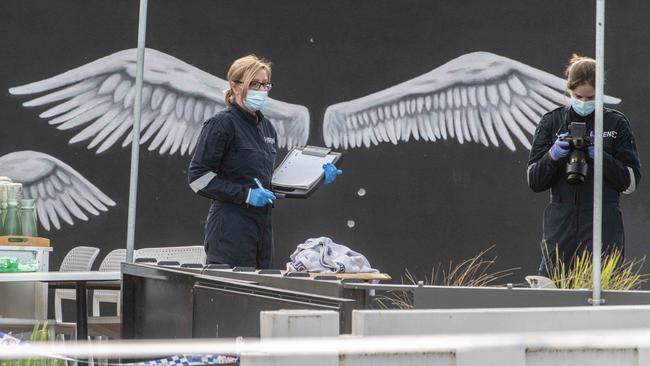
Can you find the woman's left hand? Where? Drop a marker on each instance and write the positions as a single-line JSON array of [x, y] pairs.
[[331, 172]]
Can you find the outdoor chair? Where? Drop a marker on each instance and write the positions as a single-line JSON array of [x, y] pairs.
[[78, 259], [111, 263]]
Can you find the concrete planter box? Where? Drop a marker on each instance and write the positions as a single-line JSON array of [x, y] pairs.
[[445, 297], [451, 297]]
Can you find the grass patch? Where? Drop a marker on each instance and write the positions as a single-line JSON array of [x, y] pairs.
[[615, 273], [473, 272], [39, 334]]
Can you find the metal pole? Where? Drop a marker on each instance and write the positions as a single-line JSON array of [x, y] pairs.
[[135, 144], [598, 154]]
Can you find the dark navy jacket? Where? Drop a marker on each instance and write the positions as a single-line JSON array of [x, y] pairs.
[[568, 217], [234, 148]]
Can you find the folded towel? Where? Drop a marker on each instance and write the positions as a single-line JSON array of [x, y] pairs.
[[324, 256]]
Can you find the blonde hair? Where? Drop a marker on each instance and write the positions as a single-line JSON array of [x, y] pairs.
[[242, 72], [581, 70]]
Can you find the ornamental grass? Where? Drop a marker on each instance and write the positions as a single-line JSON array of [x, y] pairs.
[[615, 273], [473, 272]]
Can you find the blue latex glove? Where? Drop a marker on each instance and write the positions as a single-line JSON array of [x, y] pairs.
[[260, 197], [331, 172], [590, 150], [560, 149]]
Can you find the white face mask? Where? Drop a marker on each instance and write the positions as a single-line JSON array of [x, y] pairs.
[[255, 99], [583, 108]]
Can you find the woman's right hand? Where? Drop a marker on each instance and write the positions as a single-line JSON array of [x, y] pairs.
[[560, 148], [260, 197]]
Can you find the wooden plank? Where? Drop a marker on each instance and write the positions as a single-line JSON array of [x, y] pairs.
[[24, 241], [360, 276]]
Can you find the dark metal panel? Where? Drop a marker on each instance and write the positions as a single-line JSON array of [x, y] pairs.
[[231, 313], [162, 302], [268, 294], [326, 288], [310, 285], [626, 297], [430, 297], [155, 303]]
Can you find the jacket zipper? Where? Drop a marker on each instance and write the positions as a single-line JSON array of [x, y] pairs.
[[268, 149]]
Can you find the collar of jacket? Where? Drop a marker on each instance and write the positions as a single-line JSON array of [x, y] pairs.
[[254, 119]]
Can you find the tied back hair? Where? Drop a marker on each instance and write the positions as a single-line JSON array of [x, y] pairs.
[[243, 70], [581, 70]]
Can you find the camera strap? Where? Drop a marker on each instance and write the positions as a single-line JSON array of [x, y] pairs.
[[566, 120]]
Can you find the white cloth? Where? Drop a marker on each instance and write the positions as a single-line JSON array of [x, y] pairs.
[[7, 340], [324, 256]]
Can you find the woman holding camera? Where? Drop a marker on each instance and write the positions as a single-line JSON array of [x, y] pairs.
[[568, 217]]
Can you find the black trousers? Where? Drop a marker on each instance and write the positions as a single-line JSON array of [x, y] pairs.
[[568, 231], [239, 236]]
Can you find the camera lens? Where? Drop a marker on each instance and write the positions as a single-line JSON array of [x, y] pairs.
[[577, 167]]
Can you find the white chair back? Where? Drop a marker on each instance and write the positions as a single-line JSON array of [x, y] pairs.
[[79, 259], [111, 263], [185, 254]]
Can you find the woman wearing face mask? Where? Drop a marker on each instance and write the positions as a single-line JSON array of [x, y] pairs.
[[568, 218], [237, 146]]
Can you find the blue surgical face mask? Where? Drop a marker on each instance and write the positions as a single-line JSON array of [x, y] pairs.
[[583, 108], [255, 99]]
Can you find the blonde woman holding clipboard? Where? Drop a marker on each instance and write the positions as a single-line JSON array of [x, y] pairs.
[[233, 162]]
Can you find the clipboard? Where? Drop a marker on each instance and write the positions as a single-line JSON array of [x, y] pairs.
[[300, 173]]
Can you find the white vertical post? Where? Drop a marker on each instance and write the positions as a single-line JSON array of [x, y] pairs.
[[135, 144], [598, 153]]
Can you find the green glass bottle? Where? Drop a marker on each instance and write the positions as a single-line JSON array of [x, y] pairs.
[[3, 206], [14, 191], [12, 219], [28, 225]]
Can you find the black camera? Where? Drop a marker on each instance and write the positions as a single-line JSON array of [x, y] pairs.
[[579, 141]]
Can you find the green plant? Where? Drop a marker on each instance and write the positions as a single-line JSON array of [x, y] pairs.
[[615, 273], [473, 272], [39, 334]]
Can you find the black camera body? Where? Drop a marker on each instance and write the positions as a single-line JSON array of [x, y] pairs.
[[579, 142]]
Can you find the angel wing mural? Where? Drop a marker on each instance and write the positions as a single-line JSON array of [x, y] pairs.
[[478, 97], [59, 191], [176, 97]]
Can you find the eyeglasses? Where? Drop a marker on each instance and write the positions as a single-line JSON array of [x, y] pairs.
[[256, 85]]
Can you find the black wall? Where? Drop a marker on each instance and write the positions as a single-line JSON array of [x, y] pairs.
[[425, 203]]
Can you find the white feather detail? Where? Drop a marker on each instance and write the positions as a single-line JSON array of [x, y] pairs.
[[479, 97], [95, 97], [59, 191]]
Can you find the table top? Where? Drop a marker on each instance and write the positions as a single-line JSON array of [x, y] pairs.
[[360, 276], [340, 276], [22, 248], [56, 276]]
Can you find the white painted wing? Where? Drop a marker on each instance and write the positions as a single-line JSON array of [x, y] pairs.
[[478, 97], [176, 98], [60, 192]]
